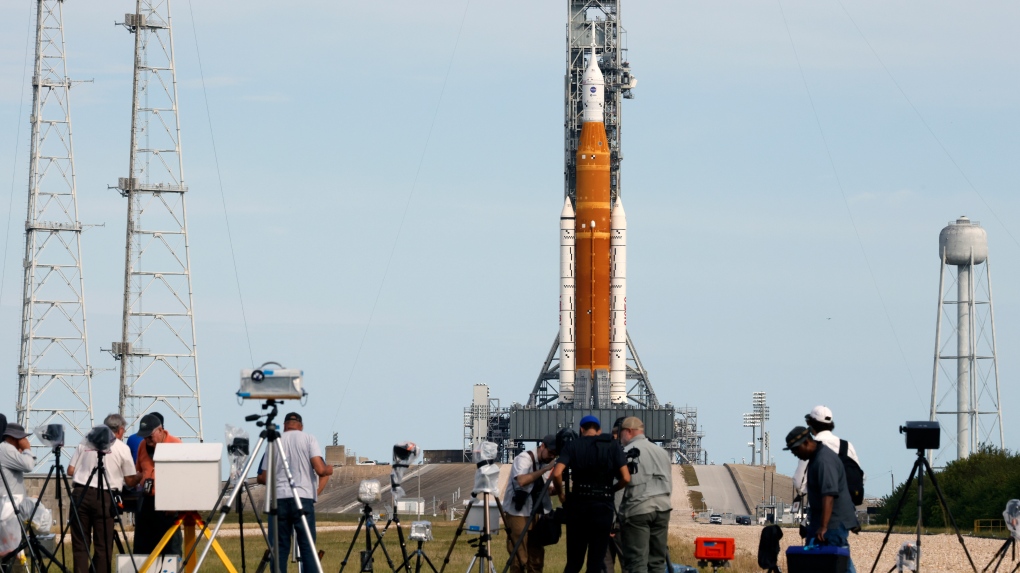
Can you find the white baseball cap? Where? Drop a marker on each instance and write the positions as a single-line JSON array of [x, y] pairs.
[[821, 414]]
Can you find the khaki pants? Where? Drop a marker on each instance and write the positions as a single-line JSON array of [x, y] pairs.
[[533, 554]]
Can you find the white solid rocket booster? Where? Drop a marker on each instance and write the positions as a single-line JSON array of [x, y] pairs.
[[567, 240], [618, 304]]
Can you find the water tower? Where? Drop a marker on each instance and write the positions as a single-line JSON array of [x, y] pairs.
[[970, 366]]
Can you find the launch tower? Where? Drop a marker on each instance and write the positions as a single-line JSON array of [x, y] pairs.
[[157, 349], [965, 351], [54, 373]]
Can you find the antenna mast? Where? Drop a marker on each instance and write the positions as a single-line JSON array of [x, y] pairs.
[[157, 350], [54, 374]]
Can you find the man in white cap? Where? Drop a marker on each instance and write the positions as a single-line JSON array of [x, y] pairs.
[[819, 421]]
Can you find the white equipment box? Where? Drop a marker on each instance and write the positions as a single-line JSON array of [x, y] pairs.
[[164, 564], [187, 476], [475, 522]]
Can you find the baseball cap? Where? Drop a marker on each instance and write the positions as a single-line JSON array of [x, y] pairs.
[[16, 431], [293, 417], [820, 414], [589, 419], [147, 424], [796, 437], [633, 423], [549, 442]]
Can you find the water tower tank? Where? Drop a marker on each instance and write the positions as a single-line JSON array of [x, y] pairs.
[[962, 238]]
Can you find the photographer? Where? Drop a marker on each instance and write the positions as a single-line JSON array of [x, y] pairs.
[[95, 508], [16, 457], [152, 525], [311, 473], [598, 469], [523, 488], [644, 510]]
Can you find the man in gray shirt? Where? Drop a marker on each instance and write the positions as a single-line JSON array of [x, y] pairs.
[[832, 513], [16, 457], [310, 476], [644, 509]]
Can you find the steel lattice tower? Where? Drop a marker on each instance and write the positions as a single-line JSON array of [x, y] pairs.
[[600, 18], [54, 374], [157, 350]]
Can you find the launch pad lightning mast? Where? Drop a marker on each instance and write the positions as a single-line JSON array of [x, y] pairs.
[[157, 348], [54, 374]]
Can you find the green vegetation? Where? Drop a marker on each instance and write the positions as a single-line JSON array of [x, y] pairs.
[[690, 476], [977, 487]]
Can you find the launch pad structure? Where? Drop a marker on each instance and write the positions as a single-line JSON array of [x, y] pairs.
[[592, 366]]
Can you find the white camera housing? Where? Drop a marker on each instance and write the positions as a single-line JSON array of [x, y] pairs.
[[271, 384]]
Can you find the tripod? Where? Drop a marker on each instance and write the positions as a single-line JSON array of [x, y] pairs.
[[921, 464], [483, 555], [273, 448], [63, 487], [418, 555], [1001, 554], [368, 522]]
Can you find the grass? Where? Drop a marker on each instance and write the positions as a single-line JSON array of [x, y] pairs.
[[689, 474], [336, 543]]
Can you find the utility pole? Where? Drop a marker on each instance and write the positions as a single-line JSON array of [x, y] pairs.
[[157, 349], [54, 373]]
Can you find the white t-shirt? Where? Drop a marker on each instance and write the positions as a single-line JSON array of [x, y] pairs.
[[299, 448], [118, 463], [832, 441], [523, 465]]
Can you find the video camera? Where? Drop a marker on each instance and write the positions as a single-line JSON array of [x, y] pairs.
[[100, 438], [632, 460], [921, 435], [51, 435], [264, 383]]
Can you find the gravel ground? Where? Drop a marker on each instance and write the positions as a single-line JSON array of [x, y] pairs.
[[940, 553]]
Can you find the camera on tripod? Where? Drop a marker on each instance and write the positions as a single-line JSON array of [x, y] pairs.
[[51, 435], [264, 383], [421, 531], [100, 438], [921, 435], [369, 491]]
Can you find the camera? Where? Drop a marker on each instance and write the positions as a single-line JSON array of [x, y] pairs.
[[264, 383], [921, 435], [100, 438], [632, 460], [238, 447], [564, 437], [421, 531], [51, 435], [369, 491]]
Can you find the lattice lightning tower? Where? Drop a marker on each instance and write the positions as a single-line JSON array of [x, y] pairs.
[[159, 370], [54, 374]]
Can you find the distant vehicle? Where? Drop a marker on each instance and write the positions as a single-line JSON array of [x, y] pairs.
[[715, 518], [743, 520]]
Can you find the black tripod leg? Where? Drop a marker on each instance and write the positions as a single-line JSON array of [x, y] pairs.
[[21, 524], [73, 511], [379, 544], [999, 555], [896, 514], [427, 560], [361, 523], [456, 535], [942, 500], [400, 538]]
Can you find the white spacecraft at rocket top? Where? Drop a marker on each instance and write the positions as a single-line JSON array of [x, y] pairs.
[[593, 267]]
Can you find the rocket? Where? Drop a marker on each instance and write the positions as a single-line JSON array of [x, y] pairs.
[[593, 278]]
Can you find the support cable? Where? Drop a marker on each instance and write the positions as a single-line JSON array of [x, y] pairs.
[[846, 203], [14, 161], [403, 215], [927, 126], [219, 179]]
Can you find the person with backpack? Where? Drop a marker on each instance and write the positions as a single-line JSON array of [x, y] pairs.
[[819, 420], [523, 489], [831, 516]]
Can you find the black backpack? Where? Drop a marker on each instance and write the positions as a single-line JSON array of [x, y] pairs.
[[768, 548], [854, 474]]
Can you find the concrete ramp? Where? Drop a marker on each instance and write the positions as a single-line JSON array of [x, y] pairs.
[[719, 490]]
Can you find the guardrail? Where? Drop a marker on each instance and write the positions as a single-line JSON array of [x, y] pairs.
[[989, 525]]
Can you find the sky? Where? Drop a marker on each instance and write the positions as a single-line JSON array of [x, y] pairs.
[[392, 177]]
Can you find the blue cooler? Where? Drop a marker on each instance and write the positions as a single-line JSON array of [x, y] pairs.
[[817, 559]]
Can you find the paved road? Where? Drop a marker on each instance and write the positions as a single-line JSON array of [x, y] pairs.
[[716, 485]]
